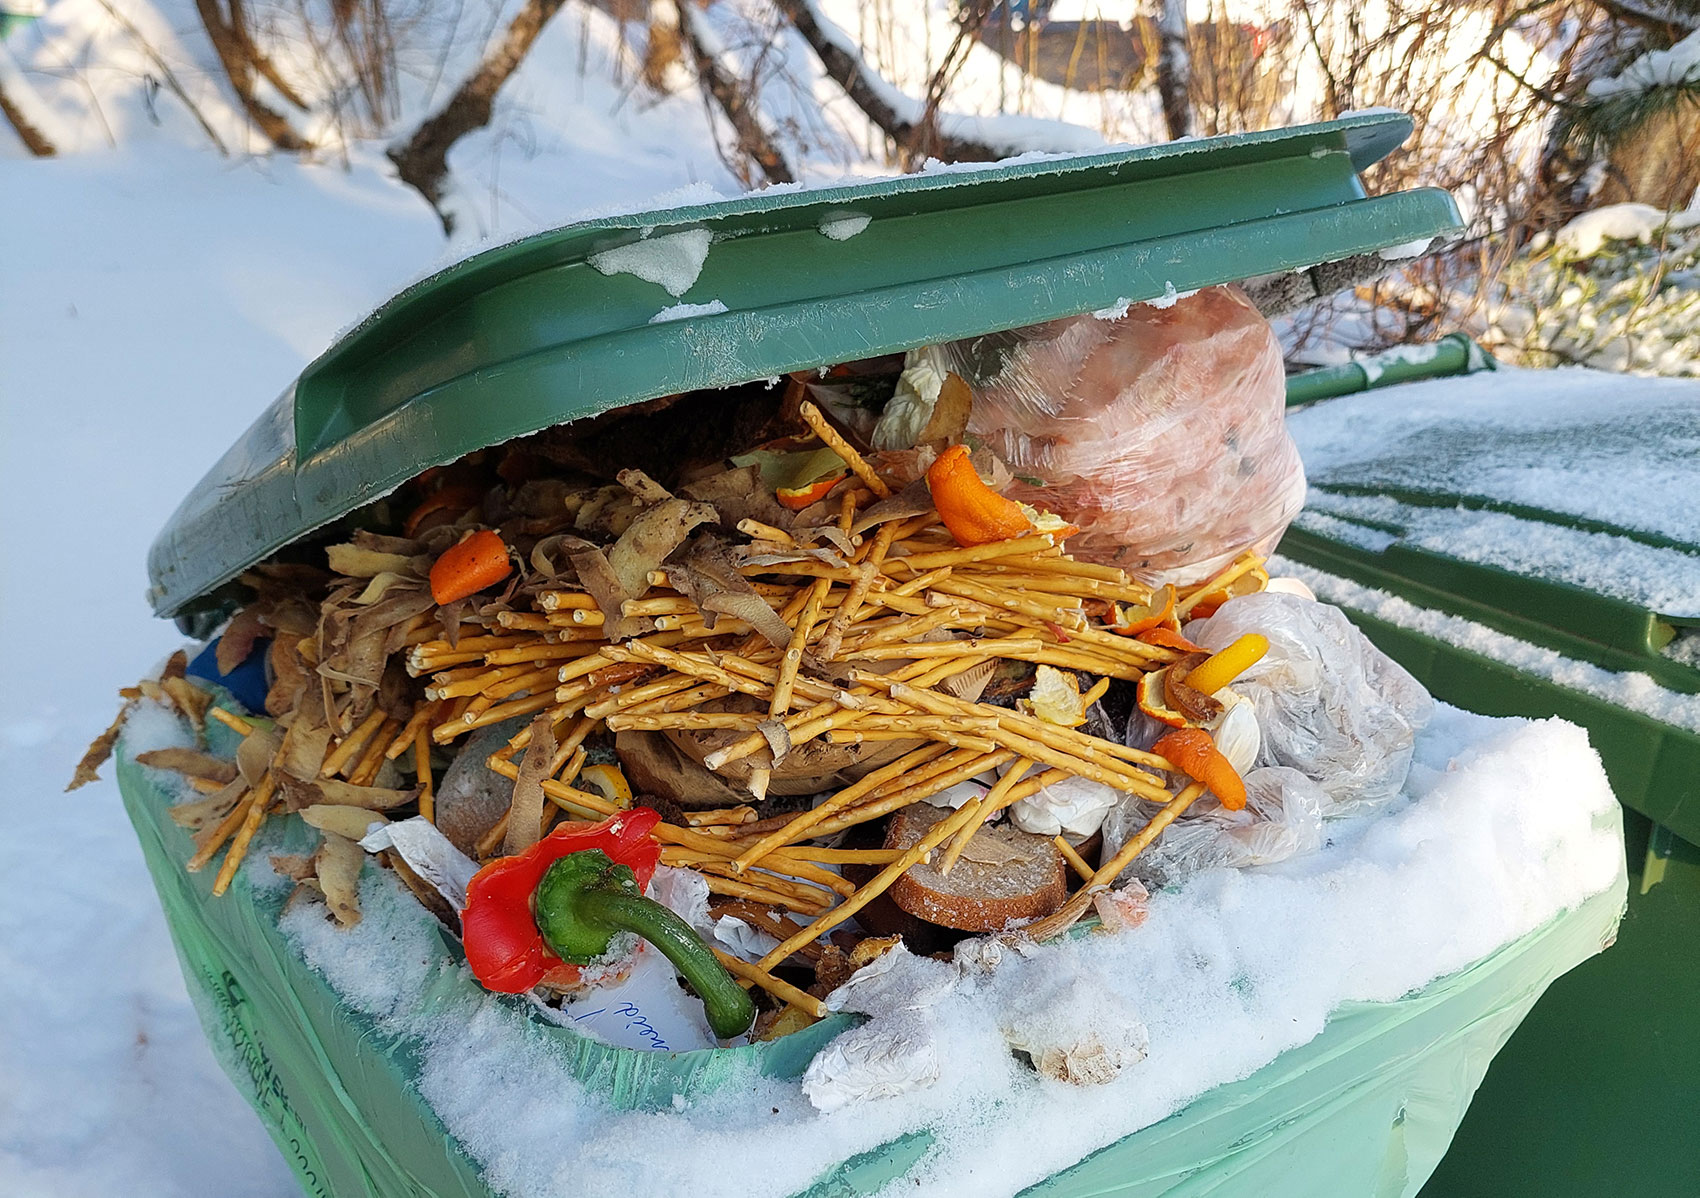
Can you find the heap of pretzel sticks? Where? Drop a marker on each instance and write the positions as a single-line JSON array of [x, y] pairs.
[[1021, 599], [906, 592]]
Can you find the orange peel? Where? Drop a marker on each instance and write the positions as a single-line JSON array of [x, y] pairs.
[[1193, 753], [1223, 667], [973, 512]]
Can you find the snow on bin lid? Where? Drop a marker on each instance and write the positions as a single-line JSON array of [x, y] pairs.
[[1568, 500], [577, 321]]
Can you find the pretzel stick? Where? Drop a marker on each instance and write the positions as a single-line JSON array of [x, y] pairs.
[[742, 814], [351, 744], [784, 991], [917, 562], [409, 733], [536, 654], [1075, 860], [251, 820], [234, 722], [717, 884], [1244, 565], [833, 637], [225, 828], [565, 601], [808, 892], [445, 732], [787, 680], [1067, 739], [757, 531], [422, 771], [874, 809], [799, 827], [985, 806], [373, 758], [812, 416], [956, 740]]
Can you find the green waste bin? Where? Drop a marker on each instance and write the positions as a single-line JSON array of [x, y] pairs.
[[584, 319], [1596, 1093]]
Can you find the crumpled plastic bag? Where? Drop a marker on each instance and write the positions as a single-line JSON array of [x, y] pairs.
[[1329, 703], [1161, 434], [1282, 818]]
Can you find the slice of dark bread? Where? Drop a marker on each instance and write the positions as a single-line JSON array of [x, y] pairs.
[[1005, 875]]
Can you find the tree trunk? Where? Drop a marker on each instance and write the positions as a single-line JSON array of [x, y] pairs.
[[423, 162], [753, 145], [35, 141], [237, 56], [1174, 68]]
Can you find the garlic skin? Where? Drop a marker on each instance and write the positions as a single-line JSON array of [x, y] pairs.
[[1076, 806], [1238, 736]]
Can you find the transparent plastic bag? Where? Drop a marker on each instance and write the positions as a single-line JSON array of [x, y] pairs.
[[1161, 433], [1282, 818], [1329, 703]]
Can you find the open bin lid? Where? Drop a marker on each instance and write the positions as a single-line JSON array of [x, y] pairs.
[[1540, 505], [574, 322]]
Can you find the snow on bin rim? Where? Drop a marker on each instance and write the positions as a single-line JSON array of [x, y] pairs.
[[1613, 453], [534, 334], [1504, 824]]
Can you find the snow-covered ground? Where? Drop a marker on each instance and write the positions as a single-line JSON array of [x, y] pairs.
[[153, 299]]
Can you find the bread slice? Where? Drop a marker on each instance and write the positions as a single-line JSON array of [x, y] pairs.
[[1005, 876]]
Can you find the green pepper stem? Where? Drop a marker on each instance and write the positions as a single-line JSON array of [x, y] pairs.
[[727, 1006]]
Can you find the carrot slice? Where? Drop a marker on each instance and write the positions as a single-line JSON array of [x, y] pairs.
[[1193, 753], [479, 560]]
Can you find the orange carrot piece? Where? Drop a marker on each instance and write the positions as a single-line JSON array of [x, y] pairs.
[[477, 561]]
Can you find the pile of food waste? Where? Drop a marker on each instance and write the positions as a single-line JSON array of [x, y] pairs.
[[850, 695]]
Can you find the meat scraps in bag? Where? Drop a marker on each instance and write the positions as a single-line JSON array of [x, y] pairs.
[[1161, 433]]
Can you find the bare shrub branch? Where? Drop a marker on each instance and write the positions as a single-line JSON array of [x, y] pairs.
[[735, 100], [423, 162], [241, 61]]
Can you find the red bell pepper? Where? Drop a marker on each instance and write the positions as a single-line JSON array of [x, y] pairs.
[[500, 934]]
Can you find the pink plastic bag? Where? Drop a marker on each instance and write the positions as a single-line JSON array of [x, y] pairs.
[[1161, 434]]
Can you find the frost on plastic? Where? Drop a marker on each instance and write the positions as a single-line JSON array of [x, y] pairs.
[[1160, 434], [1329, 704]]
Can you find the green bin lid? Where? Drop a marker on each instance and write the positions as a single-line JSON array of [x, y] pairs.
[[536, 333]]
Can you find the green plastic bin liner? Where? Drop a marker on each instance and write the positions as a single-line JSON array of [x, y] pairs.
[[1369, 1105]]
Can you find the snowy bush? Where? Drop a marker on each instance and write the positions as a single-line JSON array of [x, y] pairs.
[[1618, 288]]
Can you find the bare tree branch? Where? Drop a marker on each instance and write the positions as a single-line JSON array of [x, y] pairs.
[[424, 161], [234, 53], [262, 62], [35, 141], [735, 101], [866, 89]]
